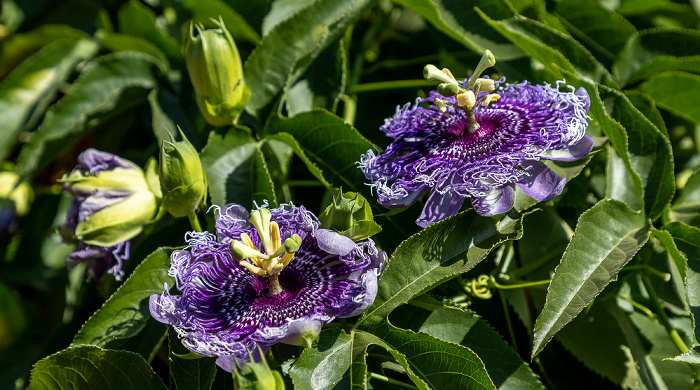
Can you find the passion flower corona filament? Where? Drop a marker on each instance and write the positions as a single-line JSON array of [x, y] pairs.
[[479, 142], [268, 276]]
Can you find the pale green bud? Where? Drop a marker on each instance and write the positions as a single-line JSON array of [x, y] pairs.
[[351, 215], [216, 73], [182, 177]]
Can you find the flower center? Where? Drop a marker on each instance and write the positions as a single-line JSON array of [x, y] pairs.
[[278, 254]]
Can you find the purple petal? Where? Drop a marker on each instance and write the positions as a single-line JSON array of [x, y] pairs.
[[573, 152], [302, 332], [96, 161], [496, 201], [438, 207], [541, 183], [333, 242], [394, 202], [369, 282]]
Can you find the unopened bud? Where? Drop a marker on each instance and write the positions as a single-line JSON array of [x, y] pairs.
[[351, 216], [182, 177]]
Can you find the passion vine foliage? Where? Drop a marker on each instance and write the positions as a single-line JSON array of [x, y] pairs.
[[406, 194]]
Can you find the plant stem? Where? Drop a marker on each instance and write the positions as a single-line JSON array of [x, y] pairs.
[[389, 85], [519, 285], [537, 263], [661, 313], [392, 381], [194, 222]]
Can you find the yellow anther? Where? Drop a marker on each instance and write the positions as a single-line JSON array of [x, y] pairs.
[[492, 97], [253, 269], [441, 104], [275, 238], [485, 84], [247, 241], [286, 259], [449, 74], [466, 99]]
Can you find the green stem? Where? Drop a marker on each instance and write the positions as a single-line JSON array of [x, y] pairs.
[[392, 381], [518, 285], [511, 332], [349, 109], [389, 85], [194, 222], [661, 313], [646, 267], [640, 307]]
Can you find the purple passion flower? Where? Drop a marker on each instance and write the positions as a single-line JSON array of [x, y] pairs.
[[435, 150], [113, 201], [266, 277]]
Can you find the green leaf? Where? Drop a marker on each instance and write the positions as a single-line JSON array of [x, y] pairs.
[[323, 366], [430, 362], [686, 208], [647, 107], [558, 52], [322, 85], [328, 142], [606, 237], [96, 92], [138, 20], [298, 150], [435, 254], [121, 42], [687, 239], [458, 20], [505, 368], [290, 47], [594, 25], [619, 184], [596, 339], [33, 85], [239, 28], [236, 169], [18, 47], [681, 264], [189, 373], [126, 312], [658, 50], [676, 92], [91, 367], [690, 357]]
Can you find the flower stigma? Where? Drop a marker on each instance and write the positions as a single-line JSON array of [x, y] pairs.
[[278, 254], [467, 98]]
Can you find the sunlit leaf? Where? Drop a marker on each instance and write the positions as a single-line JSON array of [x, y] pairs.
[[676, 92]]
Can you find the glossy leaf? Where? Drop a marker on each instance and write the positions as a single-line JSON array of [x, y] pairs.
[[91, 367], [505, 368], [687, 239], [686, 208], [96, 92], [654, 51], [323, 366], [594, 25], [31, 86], [139, 21], [676, 92], [289, 48], [458, 20], [606, 237], [331, 144], [437, 253], [126, 312], [122, 42], [690, 357]]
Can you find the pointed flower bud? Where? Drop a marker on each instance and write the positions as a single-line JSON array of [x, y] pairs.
[[182, 177], [216, 73], [350, 215]]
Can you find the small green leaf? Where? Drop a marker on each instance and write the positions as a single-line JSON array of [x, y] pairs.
[[607, 236], [288, 140], [654, 51], [126, 312], [290, 47], [33, 85], [459, 21], [329, 143], [690, 357], [195, 374], [263, 188], [239, 28], [323, 366], [437, 253], [96, 92], [91, 367], [676, 92]]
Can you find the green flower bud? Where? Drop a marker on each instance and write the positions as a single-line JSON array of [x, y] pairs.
[[257, 376], [182, 177], [350, 215], [216, 73]]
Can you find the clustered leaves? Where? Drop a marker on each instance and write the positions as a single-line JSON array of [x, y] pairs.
[[263, 104]]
